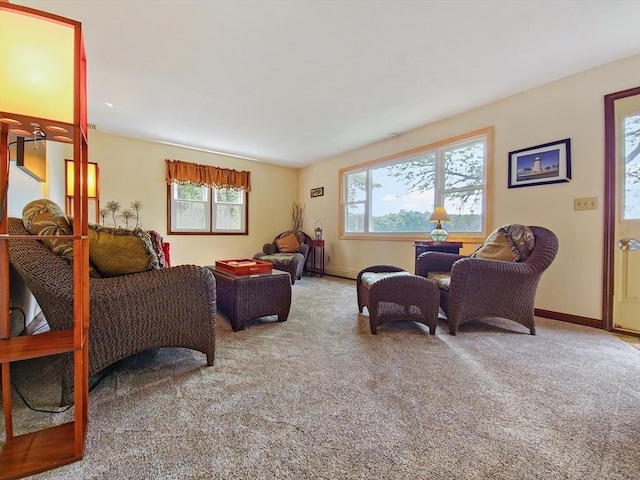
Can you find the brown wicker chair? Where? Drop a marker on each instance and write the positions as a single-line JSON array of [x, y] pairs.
[[481, 288], [294, 263], [170, 307]]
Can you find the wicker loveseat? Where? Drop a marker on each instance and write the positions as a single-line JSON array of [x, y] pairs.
[[169, 307], [290, 260]]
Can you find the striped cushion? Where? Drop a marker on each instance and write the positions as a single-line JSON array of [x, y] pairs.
[[369, 278]]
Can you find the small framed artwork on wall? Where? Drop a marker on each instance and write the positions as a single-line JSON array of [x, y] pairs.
[[317, 192], [540, 165]]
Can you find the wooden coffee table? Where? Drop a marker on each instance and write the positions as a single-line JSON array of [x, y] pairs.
[[243, 297]]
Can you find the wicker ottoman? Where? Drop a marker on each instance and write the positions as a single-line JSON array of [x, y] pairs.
[[391, 293], [243, 297]]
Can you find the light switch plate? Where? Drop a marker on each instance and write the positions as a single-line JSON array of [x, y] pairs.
[[586, 203]]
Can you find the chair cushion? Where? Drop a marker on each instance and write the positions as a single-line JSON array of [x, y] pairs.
[[279, 258], [119, 251], [441, 279], [511, 243], [288, 243], [369, 278]]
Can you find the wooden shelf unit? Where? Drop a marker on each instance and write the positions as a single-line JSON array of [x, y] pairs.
[[42, 450]]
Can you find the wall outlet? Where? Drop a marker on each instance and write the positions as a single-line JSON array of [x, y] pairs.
[[587, 203], [328, 258]]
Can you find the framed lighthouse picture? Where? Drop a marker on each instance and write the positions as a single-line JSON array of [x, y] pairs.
[[540, 165]]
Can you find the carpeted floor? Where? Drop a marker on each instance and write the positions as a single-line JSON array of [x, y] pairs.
[[319, 397]]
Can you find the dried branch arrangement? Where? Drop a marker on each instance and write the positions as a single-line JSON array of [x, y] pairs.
[[297, 216]]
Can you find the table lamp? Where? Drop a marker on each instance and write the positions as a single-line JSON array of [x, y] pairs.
[[439, 215]]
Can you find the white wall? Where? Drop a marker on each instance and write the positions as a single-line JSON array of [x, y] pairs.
[[568, 108], [135, 170], [23, 188]]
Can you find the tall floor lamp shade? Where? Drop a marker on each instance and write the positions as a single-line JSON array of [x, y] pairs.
[[43, 94], [93, 186]]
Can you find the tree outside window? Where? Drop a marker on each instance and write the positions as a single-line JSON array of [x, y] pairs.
[[198, 209], [397, 196]]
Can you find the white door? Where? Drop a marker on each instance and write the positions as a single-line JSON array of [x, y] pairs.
[[626, 289]]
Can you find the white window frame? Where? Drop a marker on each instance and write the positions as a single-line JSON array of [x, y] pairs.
[[210, 207], [438, 148]]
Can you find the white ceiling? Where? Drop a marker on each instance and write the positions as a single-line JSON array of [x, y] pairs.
[[292, 82]]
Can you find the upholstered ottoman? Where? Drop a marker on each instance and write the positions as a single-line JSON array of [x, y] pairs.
[[391, 293]]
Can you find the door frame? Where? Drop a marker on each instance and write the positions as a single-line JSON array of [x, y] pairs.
[[610, 162]]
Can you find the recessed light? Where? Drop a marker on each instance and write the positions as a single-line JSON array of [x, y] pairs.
[[110, 105], [62, 138]]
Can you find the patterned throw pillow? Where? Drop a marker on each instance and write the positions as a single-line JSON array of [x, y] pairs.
[[288, 244], [511, 243], [118, 251], [156, 242], [521, 239], [44, 217]]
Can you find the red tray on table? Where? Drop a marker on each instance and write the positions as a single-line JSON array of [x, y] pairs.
[[244, 266]]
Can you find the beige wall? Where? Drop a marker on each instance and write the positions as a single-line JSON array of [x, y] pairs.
[[135, 170], [569, 108]]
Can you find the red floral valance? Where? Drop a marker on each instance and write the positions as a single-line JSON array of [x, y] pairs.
[[206, 175]]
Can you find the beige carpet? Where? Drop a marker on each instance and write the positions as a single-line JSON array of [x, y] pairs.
[[320, 397]]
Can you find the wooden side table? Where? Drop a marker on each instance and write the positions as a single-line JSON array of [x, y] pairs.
[[431, 246], [317, 244]]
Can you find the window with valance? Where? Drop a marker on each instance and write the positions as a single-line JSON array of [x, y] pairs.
[[206, 175], [204, 199]]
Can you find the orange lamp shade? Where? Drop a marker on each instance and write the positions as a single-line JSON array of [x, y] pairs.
[[37, 68], [92, 179]]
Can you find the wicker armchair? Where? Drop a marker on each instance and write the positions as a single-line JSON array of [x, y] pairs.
[[481, 288], [292, 262], [170, 307]]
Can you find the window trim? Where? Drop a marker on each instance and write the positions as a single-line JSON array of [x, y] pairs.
[[211, 205], [467, 237]]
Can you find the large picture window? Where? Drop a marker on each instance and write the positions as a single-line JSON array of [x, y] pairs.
[[395, 196]]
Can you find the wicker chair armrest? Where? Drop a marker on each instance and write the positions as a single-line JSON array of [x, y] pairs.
[[468, 265], [179, 280], [436, 262], [490, 275], [173, 306]]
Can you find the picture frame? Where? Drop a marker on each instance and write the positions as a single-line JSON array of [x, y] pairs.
[[317, 192], [540, 165]]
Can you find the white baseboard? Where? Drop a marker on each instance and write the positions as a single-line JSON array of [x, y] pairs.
[[338, 272]]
